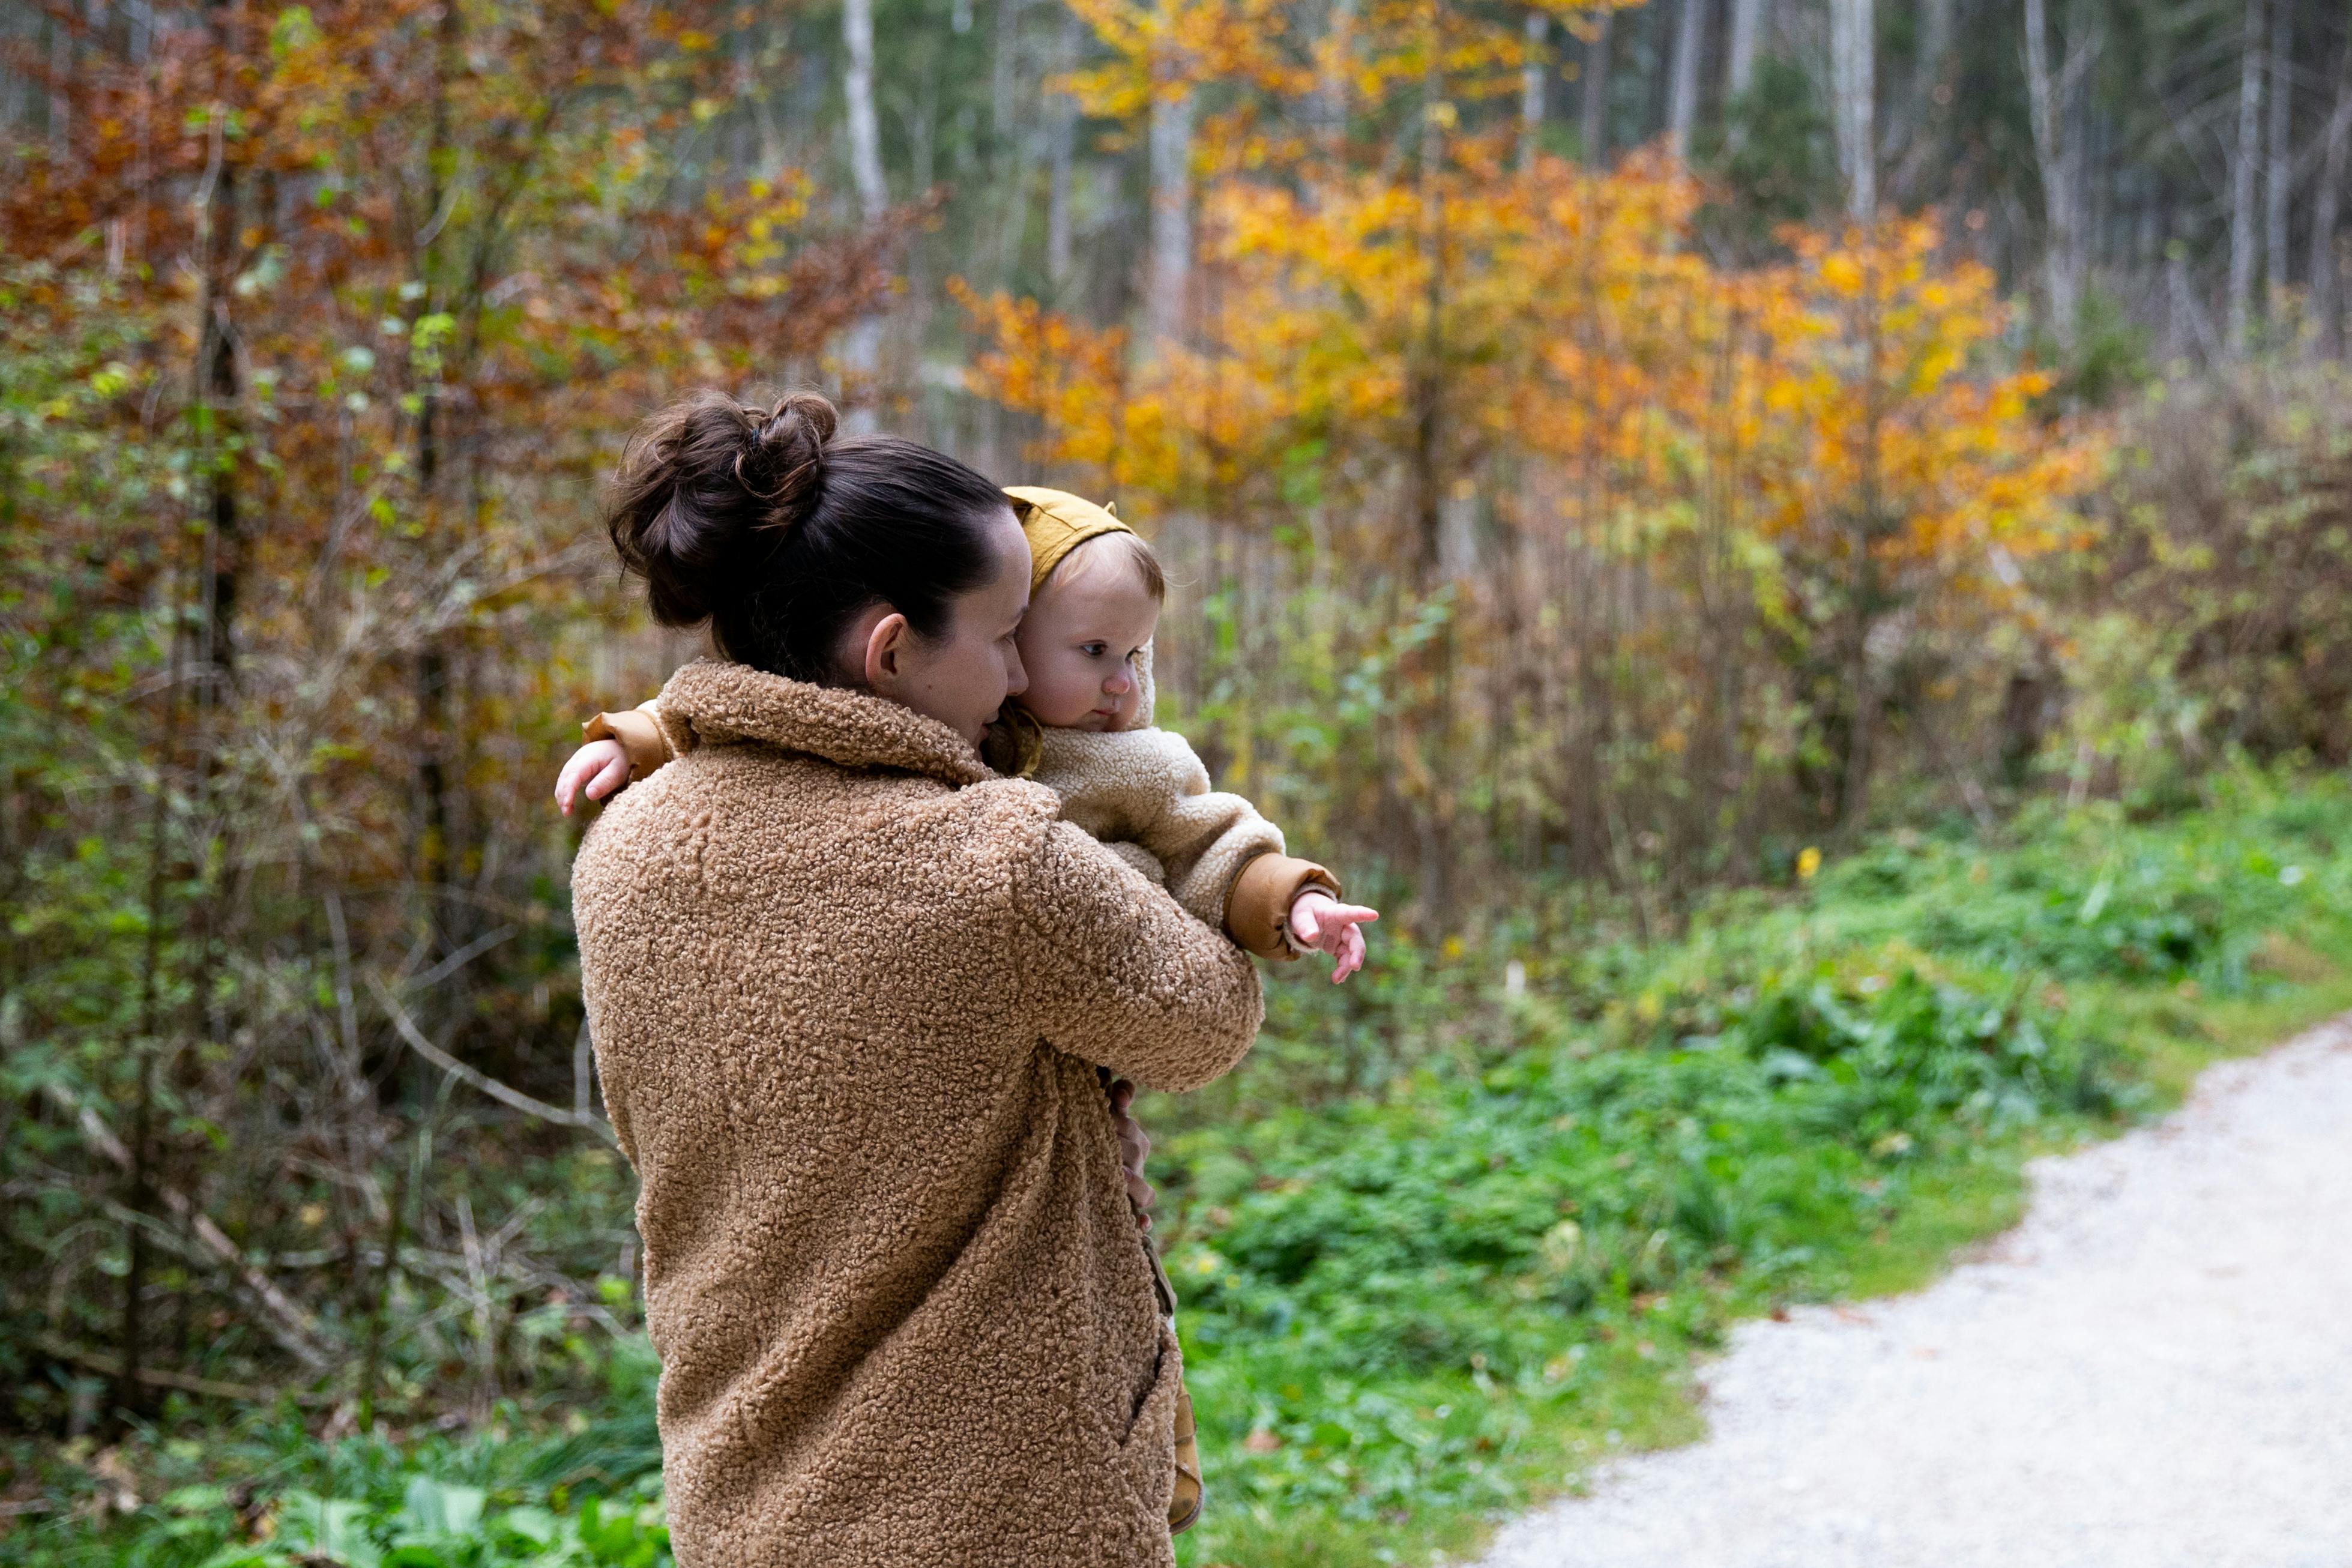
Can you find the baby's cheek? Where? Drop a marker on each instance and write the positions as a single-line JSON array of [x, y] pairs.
[[1053, 699]]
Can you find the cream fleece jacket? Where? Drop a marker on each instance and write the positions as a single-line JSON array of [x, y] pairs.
[[848, 990]]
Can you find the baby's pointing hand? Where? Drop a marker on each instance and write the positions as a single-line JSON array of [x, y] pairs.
[[1322, 922]]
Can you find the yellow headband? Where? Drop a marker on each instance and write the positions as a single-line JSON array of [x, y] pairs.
[[1058, 522]]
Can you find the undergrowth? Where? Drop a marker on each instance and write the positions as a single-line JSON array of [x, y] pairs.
[[1418, 1299]]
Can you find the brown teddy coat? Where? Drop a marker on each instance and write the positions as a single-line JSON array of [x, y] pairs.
[[848, 990]]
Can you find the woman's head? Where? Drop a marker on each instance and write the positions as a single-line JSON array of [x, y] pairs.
[[866, 561]]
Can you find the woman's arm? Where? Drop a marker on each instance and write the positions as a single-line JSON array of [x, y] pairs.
[[1119, 974]]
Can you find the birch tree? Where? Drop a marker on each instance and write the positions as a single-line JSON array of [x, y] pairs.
[[1169, 267], [1747, 29], [1853, 48], [1533, 75], [2326, 263], [861, 359], [2053, 100], [1060, 159], [2278, 172], [2242, 165], [1682, 104], [1593, 111]]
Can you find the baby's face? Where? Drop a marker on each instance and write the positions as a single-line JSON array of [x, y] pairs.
[[1080, 638]]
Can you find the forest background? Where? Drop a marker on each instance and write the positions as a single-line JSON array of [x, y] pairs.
[[1607, 459]]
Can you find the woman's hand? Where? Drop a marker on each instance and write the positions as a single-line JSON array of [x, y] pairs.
[[1322, 922], [1133, 1147], [595, 770]]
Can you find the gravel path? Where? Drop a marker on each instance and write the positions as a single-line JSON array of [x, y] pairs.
[[2153, 1370]]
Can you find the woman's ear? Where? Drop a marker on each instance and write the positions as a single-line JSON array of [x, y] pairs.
[[887, 643]]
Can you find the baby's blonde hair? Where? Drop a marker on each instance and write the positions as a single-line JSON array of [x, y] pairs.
[[1140, 557]]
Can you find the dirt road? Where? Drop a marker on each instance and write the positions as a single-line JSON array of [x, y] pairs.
[[2153, 1370]]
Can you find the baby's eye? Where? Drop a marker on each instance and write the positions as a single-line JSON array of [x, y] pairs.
[[1093, 649]]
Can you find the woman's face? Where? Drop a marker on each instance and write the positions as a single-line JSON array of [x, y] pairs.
[[963, 677]]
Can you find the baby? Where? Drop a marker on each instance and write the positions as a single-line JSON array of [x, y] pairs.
[[1083, 728]]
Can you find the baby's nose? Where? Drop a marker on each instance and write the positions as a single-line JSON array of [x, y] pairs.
[[1118, 685]]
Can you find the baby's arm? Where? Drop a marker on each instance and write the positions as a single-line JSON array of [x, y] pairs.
[[620, 748], [1225, 862]]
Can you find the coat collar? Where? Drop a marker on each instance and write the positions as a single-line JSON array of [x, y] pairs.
[[712, 702]]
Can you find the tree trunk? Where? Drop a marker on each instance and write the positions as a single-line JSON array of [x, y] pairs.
[[1853, 49], [1533, 75], [1428, 382], [435, 855], [1331, 77], [1018, 134], [60, 107], [1911, 122], [1171, 262], [2278, 181], [862, 357], [1746, 32], [865, 129], [1004, 59], [129, 1397], [1060, 156], [2241, 178], [1934, 47], [1593, 111], [2327, 265], [1682, 100], [2057, 150]]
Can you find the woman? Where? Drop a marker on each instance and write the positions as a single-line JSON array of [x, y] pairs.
[[849, 991]]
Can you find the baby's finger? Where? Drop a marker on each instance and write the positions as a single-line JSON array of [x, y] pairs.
[[1351, 956], [1353, 914], [609, 777], [567, 785]]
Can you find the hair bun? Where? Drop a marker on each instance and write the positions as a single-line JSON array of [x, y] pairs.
[[703, 478], [784, 461]]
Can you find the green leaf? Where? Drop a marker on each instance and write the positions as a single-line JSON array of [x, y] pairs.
[[439, 1508], [328, 1527]]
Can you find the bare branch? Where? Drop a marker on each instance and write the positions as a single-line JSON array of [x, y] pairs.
[[515, 1097], [294, 1330], [105, 1365]]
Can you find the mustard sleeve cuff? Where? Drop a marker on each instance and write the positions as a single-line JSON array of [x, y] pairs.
[[1257, 910], [640, 733]]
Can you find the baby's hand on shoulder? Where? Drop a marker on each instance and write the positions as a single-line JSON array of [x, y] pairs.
[[595, 770], [1319, 921]]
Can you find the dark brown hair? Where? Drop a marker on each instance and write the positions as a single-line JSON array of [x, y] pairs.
[[759, 521]]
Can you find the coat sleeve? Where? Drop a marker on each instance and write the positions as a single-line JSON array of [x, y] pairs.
[[1117, 973], [1257, 911], [641, 733]]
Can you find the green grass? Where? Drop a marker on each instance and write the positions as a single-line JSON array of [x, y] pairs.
[[1964, 1008], [1450, 1240]]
